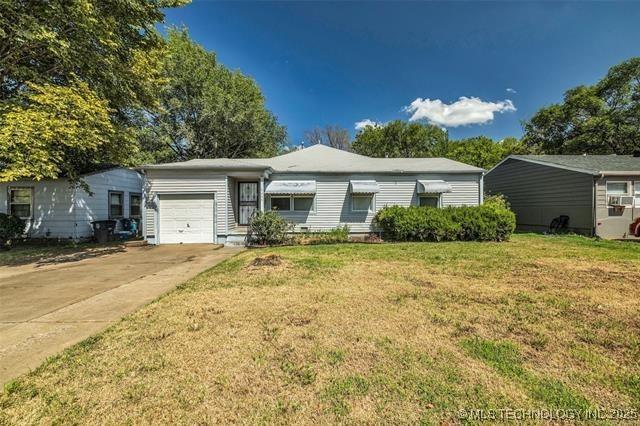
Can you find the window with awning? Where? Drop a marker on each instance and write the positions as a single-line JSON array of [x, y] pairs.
[[291, 195], [364, 187], [433, 187], [291, 187]]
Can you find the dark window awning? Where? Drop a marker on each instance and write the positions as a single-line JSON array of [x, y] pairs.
[[433, 187], [364, 187], [291, 187]]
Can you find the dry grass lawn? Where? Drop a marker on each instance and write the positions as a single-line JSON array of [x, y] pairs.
[[398, 333]]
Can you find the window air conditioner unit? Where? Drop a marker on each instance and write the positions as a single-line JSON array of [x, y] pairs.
[[620, 200]]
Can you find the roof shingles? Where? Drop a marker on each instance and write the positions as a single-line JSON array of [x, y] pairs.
[[593, 164], [323, 159]]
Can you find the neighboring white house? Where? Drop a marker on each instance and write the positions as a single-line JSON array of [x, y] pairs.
[[317, 188], [52, 208]]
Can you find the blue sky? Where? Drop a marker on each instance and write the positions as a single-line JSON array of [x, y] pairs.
[[342, 63]]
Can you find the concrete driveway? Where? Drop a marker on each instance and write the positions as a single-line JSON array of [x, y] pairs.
[[44, 309]]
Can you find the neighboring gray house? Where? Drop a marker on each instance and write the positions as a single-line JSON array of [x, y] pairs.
[[52, 208], [317, 188], [599, 193]]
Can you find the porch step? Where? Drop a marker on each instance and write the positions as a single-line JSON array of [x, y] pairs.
[[135, 243]]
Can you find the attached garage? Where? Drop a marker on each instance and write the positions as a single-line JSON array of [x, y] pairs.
[[186, 218]]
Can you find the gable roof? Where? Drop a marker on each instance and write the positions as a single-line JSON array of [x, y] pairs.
[[589, 164], [324, 159]]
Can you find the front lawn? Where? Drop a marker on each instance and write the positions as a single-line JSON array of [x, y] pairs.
[[399, 333]]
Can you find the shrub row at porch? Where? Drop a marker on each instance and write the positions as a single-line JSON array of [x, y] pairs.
[[493, 221]]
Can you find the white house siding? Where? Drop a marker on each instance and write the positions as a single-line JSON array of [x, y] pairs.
[[612, 223], [333, 200], [63, 212], [95, 206], [183, 182], [53, 213]]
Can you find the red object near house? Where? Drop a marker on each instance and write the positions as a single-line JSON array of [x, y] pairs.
[[635, 227]]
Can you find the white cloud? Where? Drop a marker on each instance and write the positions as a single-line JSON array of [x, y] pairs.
[[365, 123], [510, 90], [460, 113]]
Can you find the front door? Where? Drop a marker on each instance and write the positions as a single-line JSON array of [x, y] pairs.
[[247, 201]]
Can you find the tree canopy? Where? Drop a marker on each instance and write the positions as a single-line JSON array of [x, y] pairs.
[[73, 75], [207, 110], [400, 139], [482, 151], [599, 119]]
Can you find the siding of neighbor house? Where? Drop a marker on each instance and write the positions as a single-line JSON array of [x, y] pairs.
[[611, 223], [60, 211], [538, 194], [332, 199]]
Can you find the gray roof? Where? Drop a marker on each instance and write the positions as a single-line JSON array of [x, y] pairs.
[[209, 164], [591, 164], [324, 159]]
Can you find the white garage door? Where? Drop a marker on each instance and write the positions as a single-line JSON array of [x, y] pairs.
[[186, 218]]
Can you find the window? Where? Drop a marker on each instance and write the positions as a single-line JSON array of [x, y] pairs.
[[135, 201], [637, 191], [292, 203], [21, 202], [362, 203], [617, 188], [302, 204], [116, 204], [281, 203], [429, 200]]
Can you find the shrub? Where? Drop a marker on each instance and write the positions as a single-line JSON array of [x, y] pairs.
[[490, 222], [268, 228], [11, 227], [334, 236]]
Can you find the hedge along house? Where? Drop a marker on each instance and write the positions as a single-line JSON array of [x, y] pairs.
[[53, 208], [599, 193], [316, 188]]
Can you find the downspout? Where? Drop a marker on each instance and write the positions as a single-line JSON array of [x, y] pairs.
[[74, 207], [226, 206], [261, 195], [143, 202], [594, 211], [265, 175], [481, 188]]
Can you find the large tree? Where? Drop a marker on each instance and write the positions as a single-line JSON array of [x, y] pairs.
[[333, 136], [483, 152], [73, 77], [400, 139], [599, 119], [206, 110]]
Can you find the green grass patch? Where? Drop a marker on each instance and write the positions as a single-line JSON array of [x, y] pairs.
[[505, 358]]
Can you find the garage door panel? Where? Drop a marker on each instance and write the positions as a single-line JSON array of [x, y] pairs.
[[187, 218]]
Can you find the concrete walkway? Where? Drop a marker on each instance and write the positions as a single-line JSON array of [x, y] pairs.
[[44, 310]]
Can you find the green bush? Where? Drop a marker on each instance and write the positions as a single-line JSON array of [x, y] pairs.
[[268, 228], [334, 236], [492, 221], [11, 227]]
